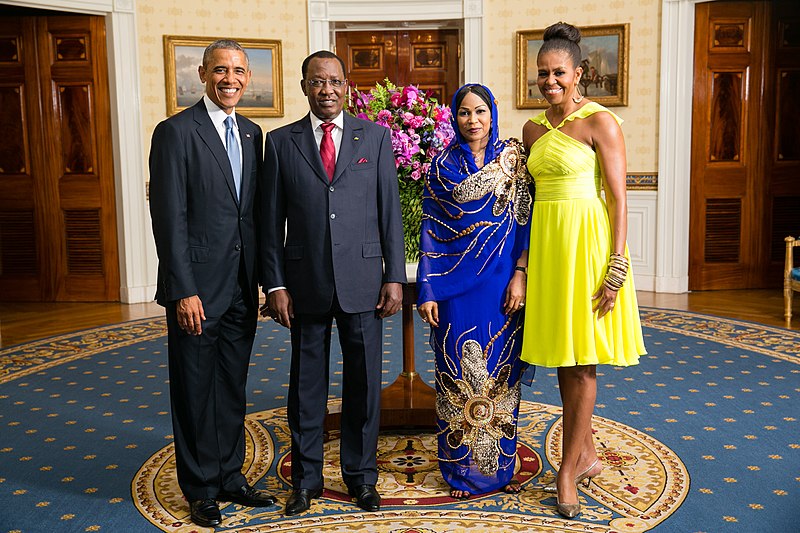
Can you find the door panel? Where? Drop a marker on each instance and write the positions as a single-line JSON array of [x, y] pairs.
[[432, 61], [745, 194], [428, 59], [724, 227], [62, 200], [369, 57], [725, 131], [21, 172], [783, 159]]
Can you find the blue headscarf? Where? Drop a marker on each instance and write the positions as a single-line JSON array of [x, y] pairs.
[[456, 256], [493, 148]]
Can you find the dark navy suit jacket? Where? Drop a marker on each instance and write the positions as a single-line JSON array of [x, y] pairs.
[[201, 230], [320, 237]]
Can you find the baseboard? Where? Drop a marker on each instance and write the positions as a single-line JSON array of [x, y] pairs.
[[137, 295], [644, 282], [675, 285]]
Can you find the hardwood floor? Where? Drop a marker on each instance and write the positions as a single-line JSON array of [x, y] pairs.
[[763, 306], [24, 322]]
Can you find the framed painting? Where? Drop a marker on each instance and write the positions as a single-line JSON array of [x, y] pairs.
[[264, 94], [604, 58]]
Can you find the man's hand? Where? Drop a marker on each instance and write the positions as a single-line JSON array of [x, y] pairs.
[[279, 307], [390, 299], [191, 315]]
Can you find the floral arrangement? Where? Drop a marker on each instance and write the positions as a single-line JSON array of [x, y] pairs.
[[420, 129]]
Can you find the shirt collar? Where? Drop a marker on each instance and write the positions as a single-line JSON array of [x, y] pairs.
[[316, 121], [216, 113]]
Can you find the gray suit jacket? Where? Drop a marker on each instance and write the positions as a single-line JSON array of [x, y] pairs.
[[318, 237], [201, 230]]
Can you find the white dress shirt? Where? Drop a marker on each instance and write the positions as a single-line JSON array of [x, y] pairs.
[[336, 133], [218, 117]]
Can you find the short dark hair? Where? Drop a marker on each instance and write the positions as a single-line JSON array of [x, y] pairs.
[[562, 37], [224, 44], [476, 89], [322, 54]]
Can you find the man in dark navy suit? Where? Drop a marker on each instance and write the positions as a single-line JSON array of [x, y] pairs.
[[204, 164], [331, 247]]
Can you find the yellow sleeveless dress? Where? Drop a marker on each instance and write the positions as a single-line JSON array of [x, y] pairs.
[[568, 257]]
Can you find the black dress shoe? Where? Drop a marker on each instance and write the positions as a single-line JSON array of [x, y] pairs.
[[366, 497], [300, 501], [205, 513], [247, 496]]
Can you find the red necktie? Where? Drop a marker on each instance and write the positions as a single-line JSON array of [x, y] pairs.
[[327, 151]]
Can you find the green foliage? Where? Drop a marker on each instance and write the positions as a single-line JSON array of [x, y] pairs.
[[411, 204], [382, 97]]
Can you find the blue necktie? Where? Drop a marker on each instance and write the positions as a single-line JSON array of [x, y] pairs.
[[233, 154]]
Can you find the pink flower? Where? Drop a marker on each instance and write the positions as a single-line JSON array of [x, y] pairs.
[[442, 114], [412, 120], [396, 98], [419, 127], [410, 94]]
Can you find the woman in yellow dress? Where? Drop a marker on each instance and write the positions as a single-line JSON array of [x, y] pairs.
[[581, 305]]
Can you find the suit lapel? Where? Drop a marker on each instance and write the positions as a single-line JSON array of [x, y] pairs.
[[303, 137], [351, 136], [208, 133]]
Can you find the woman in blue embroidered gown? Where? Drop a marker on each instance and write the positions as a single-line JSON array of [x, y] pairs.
[[471, 281]]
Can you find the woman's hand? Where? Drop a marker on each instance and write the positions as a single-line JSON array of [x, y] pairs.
[[429, 311], [515, 293], [604, 300]]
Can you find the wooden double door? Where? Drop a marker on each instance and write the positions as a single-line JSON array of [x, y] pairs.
[[428, 59], [745, 184], [58, 238]]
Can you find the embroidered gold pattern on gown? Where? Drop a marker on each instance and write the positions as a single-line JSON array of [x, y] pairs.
[[474, 228]]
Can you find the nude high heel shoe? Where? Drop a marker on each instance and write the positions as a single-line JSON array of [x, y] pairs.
[[594, 470], [589, 474], [568, 510]]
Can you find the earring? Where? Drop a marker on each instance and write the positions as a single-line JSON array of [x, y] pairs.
[[577, 99]]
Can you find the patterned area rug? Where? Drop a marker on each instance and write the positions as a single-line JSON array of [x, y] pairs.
[[701, 436]]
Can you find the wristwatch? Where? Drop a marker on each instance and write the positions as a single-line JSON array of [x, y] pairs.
[[524, 270]]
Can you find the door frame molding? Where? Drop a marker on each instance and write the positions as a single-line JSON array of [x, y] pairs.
[[323, 14], [674, 145], [135, 246]]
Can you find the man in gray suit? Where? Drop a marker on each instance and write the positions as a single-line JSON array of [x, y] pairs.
[[331, 247], [204, 164]]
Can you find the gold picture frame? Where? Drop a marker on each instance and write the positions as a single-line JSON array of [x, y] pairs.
[[604, 57], [264, 94]]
